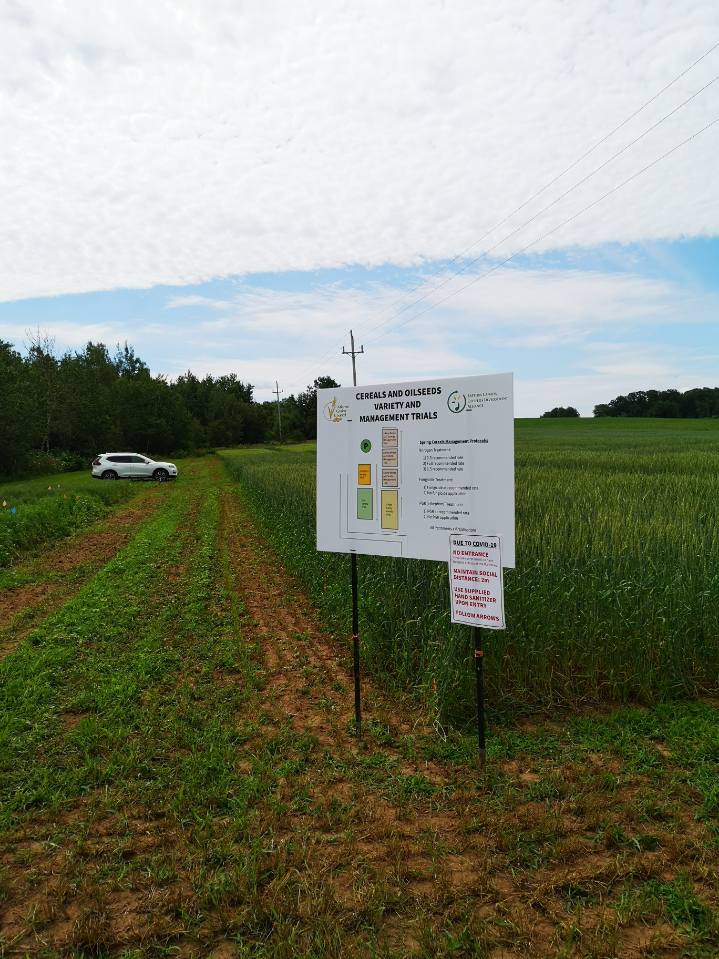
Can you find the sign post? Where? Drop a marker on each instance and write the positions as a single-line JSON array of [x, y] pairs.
[[403, 466], [479, 679], [355, 646], [477, 598], [353, 576]]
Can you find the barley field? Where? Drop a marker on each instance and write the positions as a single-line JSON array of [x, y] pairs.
[[614, 598]]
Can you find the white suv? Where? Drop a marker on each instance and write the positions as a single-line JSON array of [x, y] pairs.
[[112, 466]]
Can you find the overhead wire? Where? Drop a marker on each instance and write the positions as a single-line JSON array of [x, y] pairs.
[[571, 166], [462, 254], [549, 206], [548, 233]]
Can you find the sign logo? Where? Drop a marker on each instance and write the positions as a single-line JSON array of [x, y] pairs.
[[365, 446], [335, 412], [456, 401]]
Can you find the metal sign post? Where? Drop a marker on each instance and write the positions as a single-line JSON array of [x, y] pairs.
[[477, 597], [353, 579], [355, 646], [479, 676]]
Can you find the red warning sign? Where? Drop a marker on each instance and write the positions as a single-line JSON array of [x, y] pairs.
[[475, 581]]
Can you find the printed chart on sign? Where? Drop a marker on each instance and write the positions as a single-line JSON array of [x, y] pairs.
[[399, 466], [375, 507]]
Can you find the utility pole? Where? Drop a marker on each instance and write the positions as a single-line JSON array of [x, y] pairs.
[[353, 578], [353, 352], [277, 391]]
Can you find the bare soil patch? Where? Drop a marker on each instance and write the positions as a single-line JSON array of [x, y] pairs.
[[308, 672]]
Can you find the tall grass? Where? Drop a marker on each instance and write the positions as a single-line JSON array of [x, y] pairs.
[[42, 510], [616, 592], [39, 487]]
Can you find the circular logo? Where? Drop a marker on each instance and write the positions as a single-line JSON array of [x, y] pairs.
[[365, 446], [456, 401]]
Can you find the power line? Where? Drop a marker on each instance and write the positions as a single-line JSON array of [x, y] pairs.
[[548, 233], [554, 202], [574, 163], [555, 179], [536, 194]]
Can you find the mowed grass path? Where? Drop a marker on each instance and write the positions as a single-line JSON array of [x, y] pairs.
[[178, 776]]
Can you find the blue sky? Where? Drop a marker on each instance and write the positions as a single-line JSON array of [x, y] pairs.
[[231, 188], [655, 325]]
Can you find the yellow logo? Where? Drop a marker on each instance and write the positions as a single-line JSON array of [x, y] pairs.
[[334, 411]]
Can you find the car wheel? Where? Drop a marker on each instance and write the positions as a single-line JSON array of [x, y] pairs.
[[160, 475], [109, 474]]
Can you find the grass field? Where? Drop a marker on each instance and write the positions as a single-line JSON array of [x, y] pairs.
[[614, 598], [47, 508], [27, 491], [179, 775]]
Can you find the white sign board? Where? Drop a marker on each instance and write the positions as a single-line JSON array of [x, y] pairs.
[[475, 581], [401, 466]]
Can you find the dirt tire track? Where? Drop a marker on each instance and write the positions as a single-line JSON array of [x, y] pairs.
[[73, 910], [386, 836], [353, 843], [292, 641]]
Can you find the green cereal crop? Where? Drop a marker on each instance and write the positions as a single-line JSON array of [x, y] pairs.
[[615, 595]]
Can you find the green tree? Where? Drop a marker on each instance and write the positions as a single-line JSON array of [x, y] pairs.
[[44, 385], [560, 411], [88, 379], [15, 411], [307, 406], [701, 402]]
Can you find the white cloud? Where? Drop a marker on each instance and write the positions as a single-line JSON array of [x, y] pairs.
[[395, 364], [295, 336], [609, 321], [638, 362], [148, 143], [511, 306], [65, 335], [536, 307], [182, 302]]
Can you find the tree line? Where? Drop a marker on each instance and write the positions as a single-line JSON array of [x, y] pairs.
[[699, 403], [56, 412], [693, 404]]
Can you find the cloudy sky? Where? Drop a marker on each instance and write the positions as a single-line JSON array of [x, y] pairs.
[[231, 186]]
